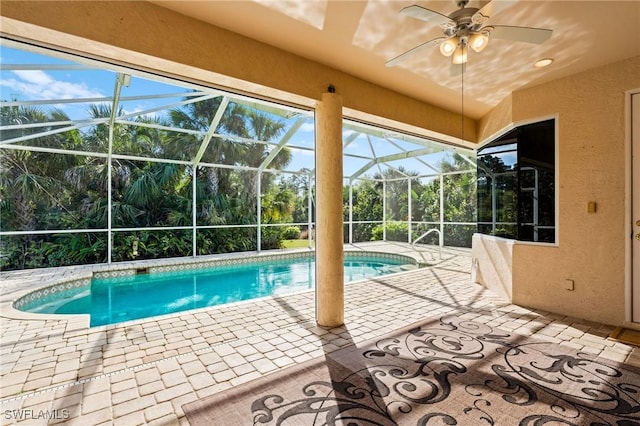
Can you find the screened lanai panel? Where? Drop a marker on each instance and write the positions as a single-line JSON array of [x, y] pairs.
[[287, 198], [301, 160], [56, 249], [355, 166], [50, 191], [459, 197], [305, 135], [384, 147], [427, 200], [413, 166], [458, 235], [226, 240], [47, 101], [225, 196], [284, 208], [261, 134], [150, 194], [357, 144], [364, 215], [47, 126], [396, 199], [161, 121], [456, 160], [151, 244], [380, 149], [459, 209]]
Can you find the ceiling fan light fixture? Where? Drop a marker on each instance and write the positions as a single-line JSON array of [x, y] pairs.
[[478, 41], [465, 28], [460, 55], [449, 46]]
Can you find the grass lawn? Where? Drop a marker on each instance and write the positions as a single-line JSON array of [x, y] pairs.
[[296, 243]]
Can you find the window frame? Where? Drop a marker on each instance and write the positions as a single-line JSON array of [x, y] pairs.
[[504, 131]]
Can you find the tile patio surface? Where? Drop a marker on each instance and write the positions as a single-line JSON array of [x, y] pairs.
[[142, 372]]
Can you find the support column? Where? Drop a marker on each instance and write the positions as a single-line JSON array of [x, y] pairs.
[[441, 236], [329, 221]]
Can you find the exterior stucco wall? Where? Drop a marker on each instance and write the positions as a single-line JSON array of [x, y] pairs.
[[591, 249], [493, 264], [496, 120]]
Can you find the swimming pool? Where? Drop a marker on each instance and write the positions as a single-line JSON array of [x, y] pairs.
[[117, 299]]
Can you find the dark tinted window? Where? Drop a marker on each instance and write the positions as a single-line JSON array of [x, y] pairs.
[[516, 184]]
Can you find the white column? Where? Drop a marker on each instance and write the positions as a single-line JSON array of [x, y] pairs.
[[384, 210], [329, 222], [259, 211], [350, 212], [409, 208]]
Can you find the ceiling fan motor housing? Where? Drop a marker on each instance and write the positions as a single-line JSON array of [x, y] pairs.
[[462, 22]]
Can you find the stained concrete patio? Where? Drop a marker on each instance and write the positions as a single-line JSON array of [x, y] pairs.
[[142, 372]]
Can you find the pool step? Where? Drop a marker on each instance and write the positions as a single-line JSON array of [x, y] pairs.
[[401, 268]]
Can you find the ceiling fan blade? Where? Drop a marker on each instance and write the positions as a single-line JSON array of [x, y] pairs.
[[526, 34], [424, 14], [490, 9], [413, 51]]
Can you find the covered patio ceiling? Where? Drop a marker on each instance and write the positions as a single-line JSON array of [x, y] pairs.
[[359, 37]]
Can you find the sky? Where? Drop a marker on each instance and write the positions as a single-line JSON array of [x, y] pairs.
[[56, 79]]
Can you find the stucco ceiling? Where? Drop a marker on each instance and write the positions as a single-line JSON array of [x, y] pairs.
[[358, 37]]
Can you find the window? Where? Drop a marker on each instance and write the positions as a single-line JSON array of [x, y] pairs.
[[516, 184]]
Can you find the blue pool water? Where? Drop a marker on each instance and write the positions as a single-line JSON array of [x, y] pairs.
[[113, 300]]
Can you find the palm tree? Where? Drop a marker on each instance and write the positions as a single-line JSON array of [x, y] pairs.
[[33, 190], [31, 183], [262, 128], [212, 184]]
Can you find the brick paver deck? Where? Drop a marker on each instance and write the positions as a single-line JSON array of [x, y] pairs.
[[141, 372]]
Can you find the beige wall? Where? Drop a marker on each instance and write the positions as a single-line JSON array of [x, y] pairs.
[[492, 265], [591, 111], [149, 36]]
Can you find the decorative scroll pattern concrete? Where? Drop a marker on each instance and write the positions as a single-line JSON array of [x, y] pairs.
[[437, 371]]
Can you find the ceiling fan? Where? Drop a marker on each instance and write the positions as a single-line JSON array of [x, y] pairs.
[[466, 28]]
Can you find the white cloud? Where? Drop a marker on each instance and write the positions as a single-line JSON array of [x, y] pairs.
[[36, 77], [307, 127], [36, 84]]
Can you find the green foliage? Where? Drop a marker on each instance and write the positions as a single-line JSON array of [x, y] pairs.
[[367, 206], [291, 233], [396, 231], [44, 191], [272, 237], [225, 240], [459, 205], [58, 191]]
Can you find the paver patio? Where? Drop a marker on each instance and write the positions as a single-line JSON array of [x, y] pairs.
[[142, 372]]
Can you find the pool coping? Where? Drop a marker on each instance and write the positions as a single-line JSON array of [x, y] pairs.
[[81, 276]]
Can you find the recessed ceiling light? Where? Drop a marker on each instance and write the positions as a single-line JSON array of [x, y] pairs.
[[543, 62]]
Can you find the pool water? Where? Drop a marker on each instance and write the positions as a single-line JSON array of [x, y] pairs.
[[113, 300]]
